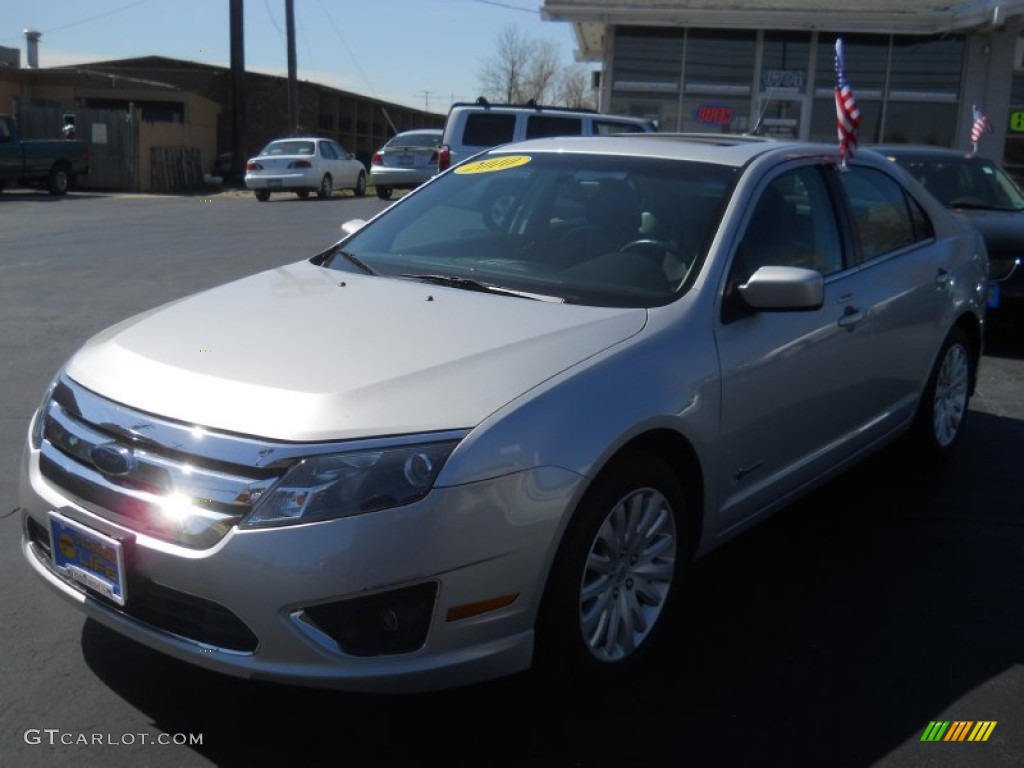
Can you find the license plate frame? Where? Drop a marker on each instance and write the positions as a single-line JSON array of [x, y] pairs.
[[89, 558], [274, 184]]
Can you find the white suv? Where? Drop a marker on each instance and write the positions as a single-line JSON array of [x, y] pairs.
[[474, 127]]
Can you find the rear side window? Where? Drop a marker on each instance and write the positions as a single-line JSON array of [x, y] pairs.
[[885, 219], [488, 130], [608, 127], [541, 126]]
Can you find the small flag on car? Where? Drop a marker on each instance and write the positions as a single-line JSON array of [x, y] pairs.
[[980, 127], [847, 111]]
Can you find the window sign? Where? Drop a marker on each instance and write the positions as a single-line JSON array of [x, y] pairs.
[[782, 79], [714, 114]]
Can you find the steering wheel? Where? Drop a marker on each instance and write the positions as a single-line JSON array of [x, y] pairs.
[[650, 246]]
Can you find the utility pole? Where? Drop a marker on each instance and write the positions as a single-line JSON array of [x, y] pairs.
[[293, 85], [238, 149], [426, 100]]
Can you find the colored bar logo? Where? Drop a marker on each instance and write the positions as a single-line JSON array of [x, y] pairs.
[[959, 730]]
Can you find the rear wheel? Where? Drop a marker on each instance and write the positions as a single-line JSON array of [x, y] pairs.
[[59, 181], [262, 195], [326, 187], [616, 574], [360, 188], [384, 193], [943, 410]]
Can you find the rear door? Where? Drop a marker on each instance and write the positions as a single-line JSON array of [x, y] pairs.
[[911, 272]]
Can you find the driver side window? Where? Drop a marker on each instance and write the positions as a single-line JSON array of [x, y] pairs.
[[793, 225]]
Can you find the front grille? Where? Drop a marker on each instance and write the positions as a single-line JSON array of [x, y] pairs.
[[175, 482], [188, 616]]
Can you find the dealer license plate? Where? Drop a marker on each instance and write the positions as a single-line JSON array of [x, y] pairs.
[[88, 557], [407, 160], [274, 183]]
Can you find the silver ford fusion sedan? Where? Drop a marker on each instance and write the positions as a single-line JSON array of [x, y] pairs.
[[489, 429]]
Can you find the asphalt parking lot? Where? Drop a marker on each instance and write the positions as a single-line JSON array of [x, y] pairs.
[[832, 635]]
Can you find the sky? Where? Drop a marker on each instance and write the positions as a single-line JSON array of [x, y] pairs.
[[420, 53]]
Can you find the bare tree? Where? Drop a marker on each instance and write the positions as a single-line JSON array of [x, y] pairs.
[[574, 88], [522, 69]]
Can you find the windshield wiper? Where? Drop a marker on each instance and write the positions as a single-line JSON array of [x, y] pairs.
[[357, 261], [469, 284]]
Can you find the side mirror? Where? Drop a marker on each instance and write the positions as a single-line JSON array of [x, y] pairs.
[[350, 156], [777, 289], [352, 226]]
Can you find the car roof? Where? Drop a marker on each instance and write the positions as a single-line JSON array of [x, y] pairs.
[[918, 150], [734, 150]]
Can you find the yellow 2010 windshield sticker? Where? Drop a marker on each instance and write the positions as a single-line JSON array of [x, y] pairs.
[[493, 164]]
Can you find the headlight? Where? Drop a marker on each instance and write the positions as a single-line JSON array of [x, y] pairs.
[[347, 484], [39, 418]]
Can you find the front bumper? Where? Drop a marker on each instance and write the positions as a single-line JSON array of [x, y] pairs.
[[474, 543]]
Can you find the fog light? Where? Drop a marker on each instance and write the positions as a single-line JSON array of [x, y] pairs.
[[378, 625]]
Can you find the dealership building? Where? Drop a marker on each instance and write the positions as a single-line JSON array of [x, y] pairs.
[[917, 67]]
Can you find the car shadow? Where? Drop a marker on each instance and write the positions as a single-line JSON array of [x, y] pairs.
[[44, 196], [830, 634]]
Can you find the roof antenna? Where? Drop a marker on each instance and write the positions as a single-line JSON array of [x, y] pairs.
[[764, 108]]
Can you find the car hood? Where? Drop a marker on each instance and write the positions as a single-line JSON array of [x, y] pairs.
[[306, 353], [1003, 230]]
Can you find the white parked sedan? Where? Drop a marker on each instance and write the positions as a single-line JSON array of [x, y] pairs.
[[492, 427], [303, 165]]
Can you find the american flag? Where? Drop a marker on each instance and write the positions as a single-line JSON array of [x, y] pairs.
[[981, 125], [847, 111]]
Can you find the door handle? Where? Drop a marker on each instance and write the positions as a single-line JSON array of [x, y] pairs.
[[850, 317], [942, 278]]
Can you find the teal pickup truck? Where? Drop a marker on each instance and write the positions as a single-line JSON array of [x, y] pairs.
[[40, 162]]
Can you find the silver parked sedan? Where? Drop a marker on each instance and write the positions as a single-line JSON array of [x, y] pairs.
[[303, 165], [538, 388], [405, 161]]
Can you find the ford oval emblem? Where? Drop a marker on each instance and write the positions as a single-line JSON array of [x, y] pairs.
[[112, 459]]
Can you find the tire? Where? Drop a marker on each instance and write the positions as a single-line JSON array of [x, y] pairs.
[[942, 412], [59, 181], [385, 193], [615, 577], [326, 187], [303, 193], [360, 188], [262, 195]]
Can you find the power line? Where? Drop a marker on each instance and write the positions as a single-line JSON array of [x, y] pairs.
[[508, 6], [355, 61], [80, 22]]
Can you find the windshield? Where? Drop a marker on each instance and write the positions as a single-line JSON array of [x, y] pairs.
[[591, 229], [965, 182]]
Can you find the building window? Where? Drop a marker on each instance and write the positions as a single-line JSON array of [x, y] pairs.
[[648, 59], [719, 62], [784, 60]]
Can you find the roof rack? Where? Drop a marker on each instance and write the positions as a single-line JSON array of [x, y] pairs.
[[531, 104]]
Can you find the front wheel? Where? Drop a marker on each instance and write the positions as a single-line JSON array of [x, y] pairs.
[[384, 193], [939, 423], [616, 574], [360, 188]]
